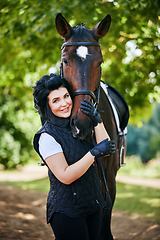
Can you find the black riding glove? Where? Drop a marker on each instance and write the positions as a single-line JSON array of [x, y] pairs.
[[104, 148], [88, 108]]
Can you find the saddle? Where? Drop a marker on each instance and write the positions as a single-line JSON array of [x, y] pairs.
[[118, 105], [121, 114]]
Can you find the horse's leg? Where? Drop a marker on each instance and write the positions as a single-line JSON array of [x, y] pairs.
[[111, 183]]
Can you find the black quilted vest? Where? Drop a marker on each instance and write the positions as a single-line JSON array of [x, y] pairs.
[[83, 196]]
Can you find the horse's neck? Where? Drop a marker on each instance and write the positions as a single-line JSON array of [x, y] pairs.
[[107, 115]]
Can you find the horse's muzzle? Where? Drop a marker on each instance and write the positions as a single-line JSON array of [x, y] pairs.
[[81, 129]]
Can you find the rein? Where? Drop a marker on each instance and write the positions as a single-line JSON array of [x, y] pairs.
[[95, 97]]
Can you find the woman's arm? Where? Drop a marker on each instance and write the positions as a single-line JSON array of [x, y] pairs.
[[100, 132], [65, 173], [58, 164]]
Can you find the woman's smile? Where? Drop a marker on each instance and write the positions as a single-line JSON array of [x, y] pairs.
[[65, 109]]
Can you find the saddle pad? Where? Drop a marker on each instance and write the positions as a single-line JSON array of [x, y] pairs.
[[118, 104]]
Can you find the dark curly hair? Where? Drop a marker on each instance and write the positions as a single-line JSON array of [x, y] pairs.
[[42, 89]]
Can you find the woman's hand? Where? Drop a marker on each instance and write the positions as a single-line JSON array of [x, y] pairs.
[[88, 108], [104, 148]]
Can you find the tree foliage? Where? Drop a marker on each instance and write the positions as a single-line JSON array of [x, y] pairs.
[[30, 46], [145, 141]]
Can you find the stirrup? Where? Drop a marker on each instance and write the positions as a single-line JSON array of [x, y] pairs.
[[122, 164]]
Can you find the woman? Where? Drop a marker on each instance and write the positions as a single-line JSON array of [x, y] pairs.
[[75, 197]]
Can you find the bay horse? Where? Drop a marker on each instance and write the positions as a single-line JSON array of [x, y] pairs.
[[81, 60]]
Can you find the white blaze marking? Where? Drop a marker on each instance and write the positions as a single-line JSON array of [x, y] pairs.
[[82, 52]]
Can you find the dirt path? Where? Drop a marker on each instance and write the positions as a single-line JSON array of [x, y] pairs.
[[153, 183], [22, 214]]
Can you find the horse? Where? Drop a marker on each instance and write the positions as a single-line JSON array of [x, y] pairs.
[[81, 60]]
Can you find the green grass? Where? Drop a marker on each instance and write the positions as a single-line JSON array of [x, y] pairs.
[[41, 185], [134, 167], [137, 199]]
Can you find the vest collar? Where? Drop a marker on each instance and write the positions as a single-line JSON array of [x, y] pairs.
[[60, 122]]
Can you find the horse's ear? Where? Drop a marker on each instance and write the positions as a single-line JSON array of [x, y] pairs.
[[62, 26], [101, 28]]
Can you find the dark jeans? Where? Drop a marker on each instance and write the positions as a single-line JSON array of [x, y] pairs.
[[83, 228]]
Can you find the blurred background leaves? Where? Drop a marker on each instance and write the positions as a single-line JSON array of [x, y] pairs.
[[30, 47]]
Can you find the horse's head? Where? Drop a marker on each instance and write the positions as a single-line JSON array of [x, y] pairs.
[[81, 67]]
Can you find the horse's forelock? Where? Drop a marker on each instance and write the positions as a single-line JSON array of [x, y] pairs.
[[80, 33]]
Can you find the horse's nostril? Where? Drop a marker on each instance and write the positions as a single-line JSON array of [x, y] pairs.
[[75, 129], [80, 129]]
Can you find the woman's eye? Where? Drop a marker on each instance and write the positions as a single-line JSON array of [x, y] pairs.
[[66, 96], [55, 101]]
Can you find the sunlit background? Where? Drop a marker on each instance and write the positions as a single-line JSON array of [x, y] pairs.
[[30, 47]]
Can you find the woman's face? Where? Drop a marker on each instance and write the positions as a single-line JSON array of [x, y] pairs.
[[60, 102]]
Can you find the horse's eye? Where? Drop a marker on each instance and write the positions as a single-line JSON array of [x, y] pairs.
[[66, 62], [99, 63]]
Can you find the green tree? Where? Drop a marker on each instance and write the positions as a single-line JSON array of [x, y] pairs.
[[145, 141], [30, 46]]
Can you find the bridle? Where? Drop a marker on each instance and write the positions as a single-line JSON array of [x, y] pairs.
[[80, 44], [95, 97]]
